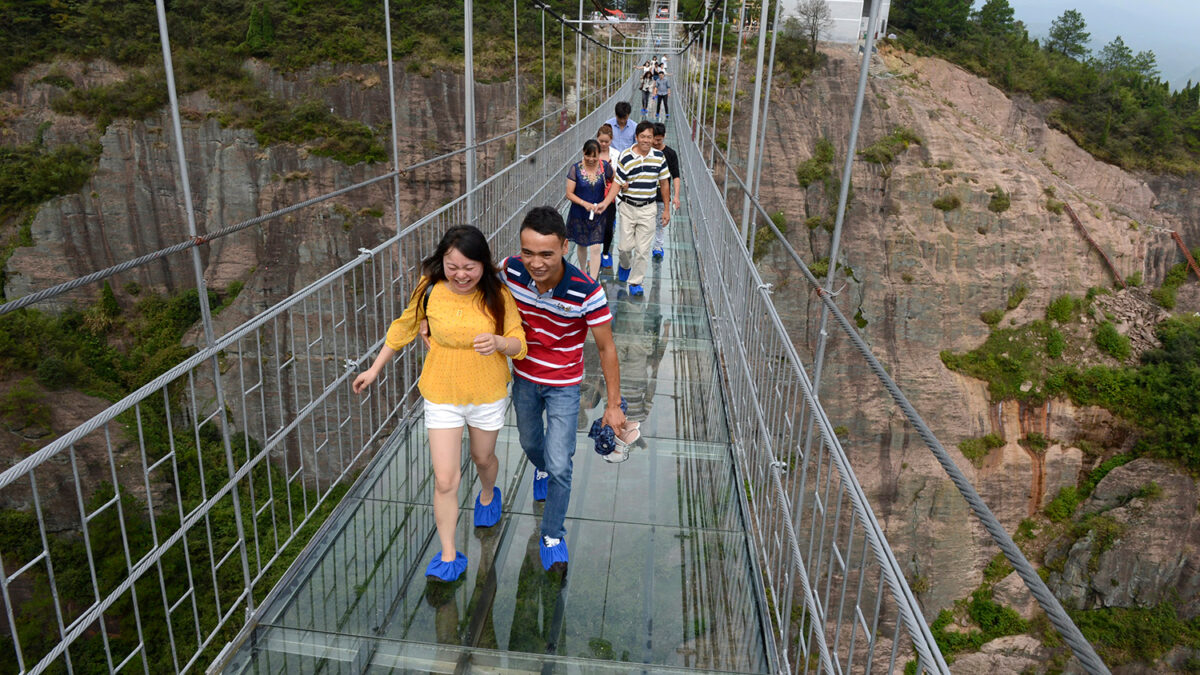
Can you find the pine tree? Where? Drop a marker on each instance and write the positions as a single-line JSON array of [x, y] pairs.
[[261, 32], [1069, 36]]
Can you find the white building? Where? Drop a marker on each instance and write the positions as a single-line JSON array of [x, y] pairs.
[[849, 18]]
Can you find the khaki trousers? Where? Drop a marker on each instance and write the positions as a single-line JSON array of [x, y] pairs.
[[637, 235]]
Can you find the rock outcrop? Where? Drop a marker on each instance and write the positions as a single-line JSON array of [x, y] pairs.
[[1141, 535]]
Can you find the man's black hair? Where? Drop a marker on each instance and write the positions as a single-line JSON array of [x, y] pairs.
[[545, 220], [642, 126], [624, 109], [660, 129]]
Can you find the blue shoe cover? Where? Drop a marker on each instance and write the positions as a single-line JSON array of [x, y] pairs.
[[636, 289], [487, 516], [552, 554], [605, 261], [540, 485], [447, 571], [623, 273]]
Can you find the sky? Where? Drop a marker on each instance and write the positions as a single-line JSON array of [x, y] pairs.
[[1169, 28]]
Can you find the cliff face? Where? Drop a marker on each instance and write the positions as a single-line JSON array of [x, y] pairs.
[[134, 202], [922, 276]]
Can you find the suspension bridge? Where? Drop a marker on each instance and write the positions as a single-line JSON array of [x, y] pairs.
[[735, 539]]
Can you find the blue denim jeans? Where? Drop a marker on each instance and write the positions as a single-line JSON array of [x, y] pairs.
[[546, 420]]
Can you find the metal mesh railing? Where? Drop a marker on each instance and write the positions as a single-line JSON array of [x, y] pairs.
[[837, 597]]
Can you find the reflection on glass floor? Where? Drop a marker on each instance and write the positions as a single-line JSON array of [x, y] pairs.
[[659, 580]]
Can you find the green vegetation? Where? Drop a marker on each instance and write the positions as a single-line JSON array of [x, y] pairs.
[[1035, 442], [992, 317], [975, 449], [1111, 342], [1134, 279], [993, 619], [947, 202], [1062, 507], [31, 174], [885, 150], [1115, 105], [1055, 343], [1008, 358], [1018, 295], [1161, 395], [794, 53], [1063, 309], [23, 406], [764, 236], [819, 166], [1125, 635], [1000, 201], [1176, 276], [1054, 206]]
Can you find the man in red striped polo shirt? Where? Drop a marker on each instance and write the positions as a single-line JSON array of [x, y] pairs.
[[558, 303]]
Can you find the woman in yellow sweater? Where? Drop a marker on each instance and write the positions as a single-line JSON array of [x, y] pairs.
[[473, 326]]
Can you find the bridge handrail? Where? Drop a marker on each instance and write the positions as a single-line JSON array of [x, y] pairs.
[[1070, 633]]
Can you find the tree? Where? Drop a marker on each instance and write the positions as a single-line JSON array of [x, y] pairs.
[[995, 17], [1115, 55], [937, 21], [815, 18], [1069, 36], [261, 32]]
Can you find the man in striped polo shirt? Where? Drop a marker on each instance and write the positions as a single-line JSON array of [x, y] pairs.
[[641, 174], [558, 303]]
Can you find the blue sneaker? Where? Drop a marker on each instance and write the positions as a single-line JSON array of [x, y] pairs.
[[636, 290], [541, 482], [623, 274], [657, 254], [605, 261], [487, 516], [447, 571], [668, 115], [553, 552]]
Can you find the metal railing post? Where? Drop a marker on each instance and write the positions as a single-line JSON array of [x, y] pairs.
[[469, 103]]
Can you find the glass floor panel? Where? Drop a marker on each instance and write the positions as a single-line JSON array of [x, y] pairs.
[[660, 578]]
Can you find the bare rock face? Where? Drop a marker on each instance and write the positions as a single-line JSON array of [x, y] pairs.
[[1012, 592], [1010, 654], [1139, 549]]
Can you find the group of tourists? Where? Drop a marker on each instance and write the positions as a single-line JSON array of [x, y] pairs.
[[535, 310], [655, 85]]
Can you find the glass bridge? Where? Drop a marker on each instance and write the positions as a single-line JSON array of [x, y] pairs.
[[660, 575]]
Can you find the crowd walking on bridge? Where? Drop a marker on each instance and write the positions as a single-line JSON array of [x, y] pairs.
[[526, 321]]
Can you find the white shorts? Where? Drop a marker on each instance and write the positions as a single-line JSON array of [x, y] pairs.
[[486, 416]]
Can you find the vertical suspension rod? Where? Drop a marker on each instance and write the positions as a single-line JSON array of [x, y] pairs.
[[844, 189], [516, 81], [737, 69], [387, 28], [202, 290], [754, 112], [469, 101], [762, 134]]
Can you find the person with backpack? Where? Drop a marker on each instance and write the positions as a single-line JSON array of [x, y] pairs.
[[474, 328]]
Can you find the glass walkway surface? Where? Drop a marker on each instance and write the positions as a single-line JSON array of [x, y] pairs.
[[660, 577]]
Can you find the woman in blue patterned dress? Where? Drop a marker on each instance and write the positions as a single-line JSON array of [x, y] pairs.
[[588, 189]]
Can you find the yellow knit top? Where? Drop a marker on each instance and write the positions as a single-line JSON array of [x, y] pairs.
[[454, 372]]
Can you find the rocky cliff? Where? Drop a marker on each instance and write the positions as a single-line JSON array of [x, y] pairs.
[[134, 202], [918, 277]]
